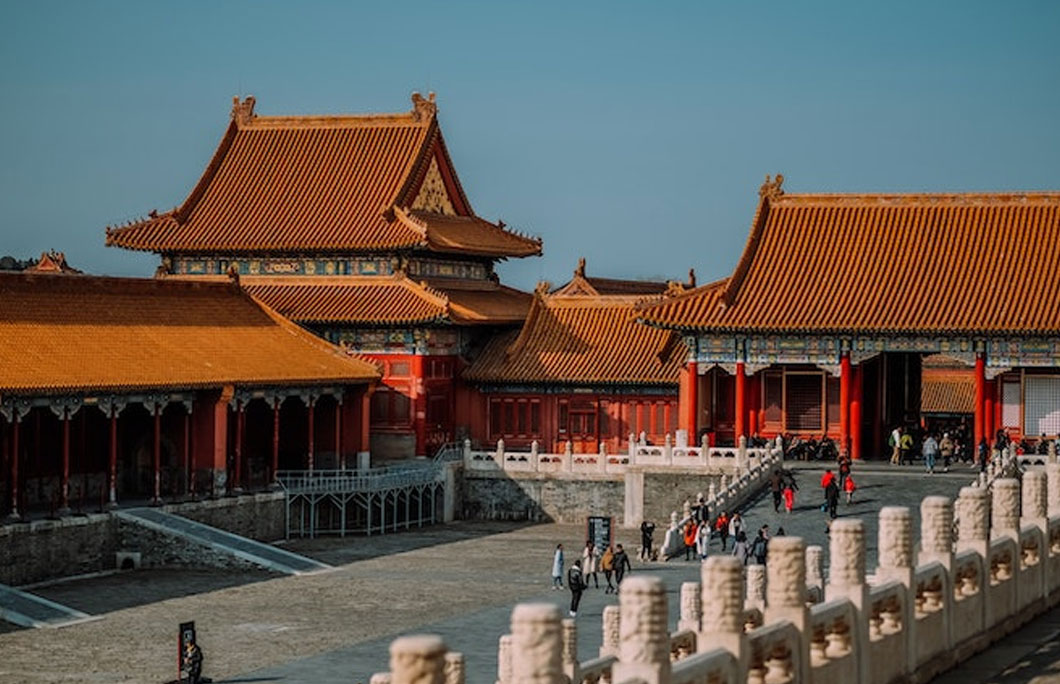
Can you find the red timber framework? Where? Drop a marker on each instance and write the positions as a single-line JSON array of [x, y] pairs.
[[357, 228], [822, 327], [580, 370], [117, 388]]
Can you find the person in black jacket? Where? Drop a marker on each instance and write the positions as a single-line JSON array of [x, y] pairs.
[[621, 564], [647, 529], [831, 495], [193, 662], [577, 585]]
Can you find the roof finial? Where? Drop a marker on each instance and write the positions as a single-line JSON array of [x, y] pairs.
[[543, 286], [423, 110], [243, 112], [580, 271], [771, 189], [691, 278]]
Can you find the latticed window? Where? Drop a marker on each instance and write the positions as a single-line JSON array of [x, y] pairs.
[[773, 399], [1041, 405], [803, 402], [832, 390]]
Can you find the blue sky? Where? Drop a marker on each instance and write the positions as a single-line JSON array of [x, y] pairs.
[[635, 134]]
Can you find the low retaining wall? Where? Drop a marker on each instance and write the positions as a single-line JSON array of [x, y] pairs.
[[541, 497]]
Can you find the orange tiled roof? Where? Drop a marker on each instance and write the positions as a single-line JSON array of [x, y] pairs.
[[947, 391], [581, 339], [583, 284], [52, 262], [381, 300], [87, 333], [322, 183], [882, 263]]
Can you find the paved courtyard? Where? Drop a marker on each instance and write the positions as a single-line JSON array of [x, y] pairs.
[[459, 581]]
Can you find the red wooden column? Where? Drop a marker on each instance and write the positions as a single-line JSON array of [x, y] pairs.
[[237, 468], [740, 424], [418, 395], [690, 410], [365, 447], [64, 486], [275, 463], [15, 420], [310, 403], [844, 403], [998, 409], [855, 415], [157, 499], [988, 411], [980, 392], [340, 456], [754, 399], [186, 462], [112, 459]]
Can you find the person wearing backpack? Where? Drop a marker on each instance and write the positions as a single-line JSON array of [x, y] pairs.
[[576, 585], [760, 546], [606, 564]]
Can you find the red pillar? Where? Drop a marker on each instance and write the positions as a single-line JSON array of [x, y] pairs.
[[310, 403], [339, 453], [15, 420], [855, 415], [237, 469], [210, 437], [980, 391], [844, 403], [741, 402], [275, 438], [988, 411], [365, 446], [419, 405], [64, 487], [754, 382], [112, 460], [998, 425], [690, 404], [186, 461], [158, 455]]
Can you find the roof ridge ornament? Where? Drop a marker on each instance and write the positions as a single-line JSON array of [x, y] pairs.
[[423, 109], [243, 112], [542, 288], [771, 189], [579, 272]]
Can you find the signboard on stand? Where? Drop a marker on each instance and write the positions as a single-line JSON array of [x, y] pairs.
[[600, 530], [185, 636]]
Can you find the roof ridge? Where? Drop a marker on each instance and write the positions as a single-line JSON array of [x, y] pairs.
[[423, 113]]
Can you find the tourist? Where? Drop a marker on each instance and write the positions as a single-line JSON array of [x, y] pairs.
[[983, 454], [192, 663], [647, 529], [775, 485], [576, 585], [760, 545], [557, 568], [895, 442], [702, 511], [844, 468], [946, 449], [590, 562], [703, 540], [739, 547], [621, 564], [831, 495], [735, 525], [690, 539], [930, 451], [722, 527], [789, 499], [849, 488], [606, 563], [827, 479], [907, 448]]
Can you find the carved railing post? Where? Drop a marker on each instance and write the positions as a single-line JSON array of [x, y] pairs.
[[936, 531], [1005, 511], [741, 455], [499, 454], [570, 649], [690, 607], [896, 563], [504, 659], [644, 641], [467, 453], [815, 574], [846, 579], [631, 447], [380, 678], [756, 587], [1035, 499], [1034, 555], [668, 450], [722, 619], [786, 592], [417, 659], [1052, 473], [712, 492], [611, 626], [973, 520], [537, 644], [455, 672]]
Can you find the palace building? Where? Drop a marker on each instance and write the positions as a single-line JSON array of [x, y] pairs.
[[823, 325], [357, 228], [133, 389]]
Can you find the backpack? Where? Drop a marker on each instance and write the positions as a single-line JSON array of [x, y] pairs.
[[758, 549], [574, 579]]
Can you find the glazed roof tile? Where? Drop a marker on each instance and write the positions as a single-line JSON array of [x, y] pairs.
[[581, 339], [885, 263], [63, 333], [321, 183]]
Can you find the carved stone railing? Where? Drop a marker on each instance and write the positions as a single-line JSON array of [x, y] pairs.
[[925, 609]]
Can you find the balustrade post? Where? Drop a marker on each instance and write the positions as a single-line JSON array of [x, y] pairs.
[[722, 610], [467, 453], [668, 450], [1035, 505], [712, 493], [611, 631], [936, 545], [602, 456], [537, 645], [504, 659], [570, 649], [644, 640], [1052, 474], [417, 659], [741, 455], [631, 447], [896, 563], [973, 517], [498, 455], [690, 607], [756, 586], [455, 669], [786, 593], [815, 574], [1005, 509], [846, 579]]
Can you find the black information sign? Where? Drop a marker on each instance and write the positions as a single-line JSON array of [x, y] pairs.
[[185, 636], [600, 531]]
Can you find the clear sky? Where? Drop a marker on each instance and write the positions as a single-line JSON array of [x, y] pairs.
[[635, 134]]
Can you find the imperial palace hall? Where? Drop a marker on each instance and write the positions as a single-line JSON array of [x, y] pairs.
[[137, 389], [823, 326], [357, 228]]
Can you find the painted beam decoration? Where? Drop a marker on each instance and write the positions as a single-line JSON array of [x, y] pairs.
[[363, 265], [434, 342]]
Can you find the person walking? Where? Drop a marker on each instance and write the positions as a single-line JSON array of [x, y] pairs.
[[895, 442], [735, 525], [621, 564], [907, 448], [590, 563], [775, 485], [703, 540], [576, 584], [760, 546], [606, 564], [690, 539], [826, 480], [930, 451], [647, 529], [739, 548], [946, 449], [844, 468], [831, 495], [722, 526], [789, 499], [849, 488], [192, 662], [983, 452], [557, 568]]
